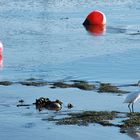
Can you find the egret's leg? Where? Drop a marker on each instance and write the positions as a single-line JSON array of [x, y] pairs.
[[129, 107], [132, 107]]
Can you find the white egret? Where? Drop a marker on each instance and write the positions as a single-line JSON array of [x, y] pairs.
[[131, 99]]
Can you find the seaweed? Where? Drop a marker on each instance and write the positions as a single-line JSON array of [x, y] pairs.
[[34, 83], [61, 85], [107, 87], [77, 84], [84, 85], [132, 121], [86, 117], [6, 83]]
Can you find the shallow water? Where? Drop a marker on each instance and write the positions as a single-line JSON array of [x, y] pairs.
[[22, 122], [46, 39]]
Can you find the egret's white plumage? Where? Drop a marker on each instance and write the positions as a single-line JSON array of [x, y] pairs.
[[131, 99]]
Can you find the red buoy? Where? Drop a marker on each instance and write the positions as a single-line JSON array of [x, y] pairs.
[[1, 48], [95, 18], [1, 55]]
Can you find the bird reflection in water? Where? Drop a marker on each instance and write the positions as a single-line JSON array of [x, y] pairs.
[[134, 133]]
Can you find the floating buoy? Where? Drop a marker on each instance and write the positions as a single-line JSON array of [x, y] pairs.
[[95, 18], [1, 48], [1, 55]]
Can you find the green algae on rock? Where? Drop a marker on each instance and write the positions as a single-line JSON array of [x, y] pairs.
[[33, 79], [61, 85], [34, 83], [84, 85], [129, 120], [86, 117], [77, 84], [107, 87], [132, 121], [6, 83]]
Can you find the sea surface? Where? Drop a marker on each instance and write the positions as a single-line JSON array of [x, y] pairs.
[[45, 39]]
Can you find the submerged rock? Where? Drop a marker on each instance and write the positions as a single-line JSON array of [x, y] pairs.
[[61, 85], [69, 106], [34, 83], [129, 120], [6, 83], [76, 84], [86, 117], [132, 121], [107, 87], [21, 101], [83, 85]]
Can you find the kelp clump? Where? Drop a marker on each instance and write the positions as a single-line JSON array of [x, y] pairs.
[[6, 83], [132, 121], [84, 85], [107, 87], [86, 117], [76, 84]]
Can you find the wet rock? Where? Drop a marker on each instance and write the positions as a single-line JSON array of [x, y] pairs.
[[6, 83], [107, 87], [64, 18], [123, 131], [69, 106], [34, 83], [80, 84], [29, 125], [83, 85], [21, 105], [78, 81], [61, 85], [21, 101], [86, 117], [132, 121], [33, 79]]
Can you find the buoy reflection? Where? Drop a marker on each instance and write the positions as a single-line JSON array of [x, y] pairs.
[[96, 30], [1, 61]]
